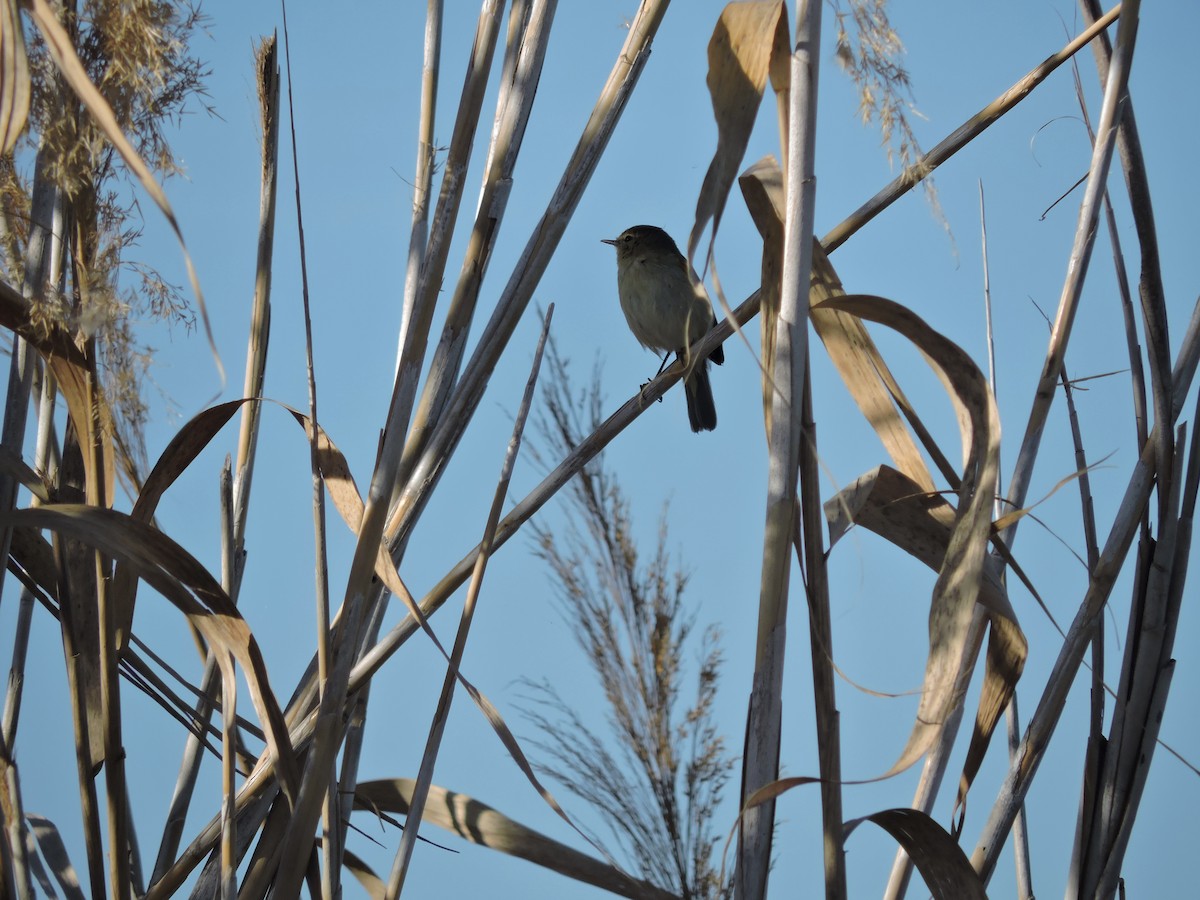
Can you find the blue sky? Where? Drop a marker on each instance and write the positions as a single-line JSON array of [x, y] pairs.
[[356, 92]]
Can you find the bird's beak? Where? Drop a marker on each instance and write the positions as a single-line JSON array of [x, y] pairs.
[[612, 242]]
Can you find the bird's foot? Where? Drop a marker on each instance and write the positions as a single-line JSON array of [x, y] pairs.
[[642, 391]]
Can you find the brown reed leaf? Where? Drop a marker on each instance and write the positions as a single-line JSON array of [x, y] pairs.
[[14, 77], [962, 567], [749, 44], [481, 824]]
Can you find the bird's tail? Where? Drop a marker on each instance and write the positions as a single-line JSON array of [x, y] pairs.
[[702, 412]]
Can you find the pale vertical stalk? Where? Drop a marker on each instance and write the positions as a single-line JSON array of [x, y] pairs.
[[267, 68], [1012, 723], [1110, 875], [229, 854], [987, 307], [360, 591], [1041, 726], [423, 179], [829, 748], [441, 371], [16, 670], [1077, 265], [1020, 833], [43, 464], [1146, 670], [1150, 634], [761, 759], [16, 409], [229, 859], [1096, 718], [15, 853], [1093, 757], [936, 761], [416, 806], [88, 800], [110, 685], [1046, 716], [1137, 375], [330, 808], [428, 253], [42, 253]]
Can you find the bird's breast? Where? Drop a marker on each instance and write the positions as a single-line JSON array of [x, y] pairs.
[[661, 306]]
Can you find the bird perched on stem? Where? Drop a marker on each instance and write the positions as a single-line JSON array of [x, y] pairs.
[[667, 310]]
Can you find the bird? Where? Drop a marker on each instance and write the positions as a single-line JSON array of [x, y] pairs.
[[667, 310]]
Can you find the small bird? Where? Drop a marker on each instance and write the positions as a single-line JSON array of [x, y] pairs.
[[667, 310]]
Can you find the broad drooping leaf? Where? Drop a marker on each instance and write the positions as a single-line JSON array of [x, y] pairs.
[[961, 569], [14, 76], [481, 824]]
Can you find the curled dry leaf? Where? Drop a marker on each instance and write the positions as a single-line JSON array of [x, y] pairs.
[[947, 871], [54, 851], [14, 76], [183, 448], [364, 875], [749, 43], [896, 508], [961, 570], [943, 865], [762, 188]]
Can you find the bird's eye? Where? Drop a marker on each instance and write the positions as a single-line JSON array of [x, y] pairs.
[[628, 239]]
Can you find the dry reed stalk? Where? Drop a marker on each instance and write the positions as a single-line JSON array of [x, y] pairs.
[[229, 726], [333, 828], [426, 152], [362, 599], [785, 371], [810, 544]]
